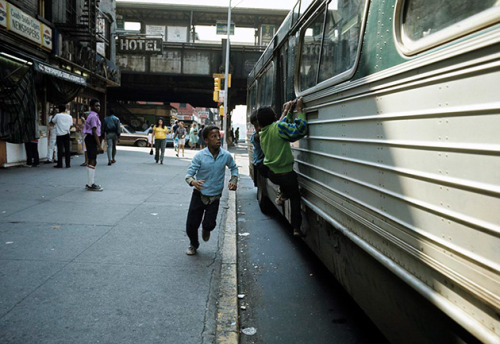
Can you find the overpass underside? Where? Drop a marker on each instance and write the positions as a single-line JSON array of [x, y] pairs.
[[183, 73]]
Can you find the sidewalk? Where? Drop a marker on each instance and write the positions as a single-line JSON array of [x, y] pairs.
[[108, 267]]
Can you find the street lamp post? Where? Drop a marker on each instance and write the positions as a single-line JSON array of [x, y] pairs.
[[226, 91]]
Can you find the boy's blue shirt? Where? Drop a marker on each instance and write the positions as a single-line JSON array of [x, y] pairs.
[[211, 170], [258, 154]]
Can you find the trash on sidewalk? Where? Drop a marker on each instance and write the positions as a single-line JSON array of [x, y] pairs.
[[249, 331]]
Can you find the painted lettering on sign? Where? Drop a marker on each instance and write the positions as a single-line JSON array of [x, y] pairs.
[[24, 25], [140, 45]]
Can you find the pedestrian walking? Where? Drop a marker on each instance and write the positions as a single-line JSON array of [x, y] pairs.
[[206, 175], [176, 140], [51, 149], [92, 129], [237, 135], [193, 136], [201, 142], [180, 133], [63, 122], [112, 130], [275, 138], [160, 132]]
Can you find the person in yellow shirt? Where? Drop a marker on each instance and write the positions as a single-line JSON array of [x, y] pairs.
[[160, 132]]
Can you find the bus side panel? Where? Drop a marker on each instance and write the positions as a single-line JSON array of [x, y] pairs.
[[406, 163]]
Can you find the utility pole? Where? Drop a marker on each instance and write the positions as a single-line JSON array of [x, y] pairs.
[[226, 91]]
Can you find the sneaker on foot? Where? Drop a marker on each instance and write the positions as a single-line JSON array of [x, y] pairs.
[[191, 251], [205, 235], [298, 233], [94, 187]]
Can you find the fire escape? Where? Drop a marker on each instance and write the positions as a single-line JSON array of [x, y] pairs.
[[80, 33]]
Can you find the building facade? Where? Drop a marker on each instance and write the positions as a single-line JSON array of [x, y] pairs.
[[51, 52]]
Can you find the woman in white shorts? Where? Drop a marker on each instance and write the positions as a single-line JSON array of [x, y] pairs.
[[181, 133]]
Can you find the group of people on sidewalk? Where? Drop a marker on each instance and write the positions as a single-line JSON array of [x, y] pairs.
[[93, 130], [157, 138]]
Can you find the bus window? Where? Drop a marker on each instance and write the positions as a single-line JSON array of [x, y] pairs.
[[252, 98], [331, 43], [310, 51], [266, 87], [341, 42], [426, 23]]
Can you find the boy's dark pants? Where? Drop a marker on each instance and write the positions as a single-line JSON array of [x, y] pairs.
[[195, 215], [289, 186]]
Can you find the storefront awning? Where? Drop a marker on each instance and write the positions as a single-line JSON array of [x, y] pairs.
[[45, 68]]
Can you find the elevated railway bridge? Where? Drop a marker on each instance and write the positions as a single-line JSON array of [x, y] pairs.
[[163, 60]]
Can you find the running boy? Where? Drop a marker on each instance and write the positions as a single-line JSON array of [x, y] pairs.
[[275, 138], [206, 175]]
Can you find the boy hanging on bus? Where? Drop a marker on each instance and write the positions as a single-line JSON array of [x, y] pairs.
[[275, 138]]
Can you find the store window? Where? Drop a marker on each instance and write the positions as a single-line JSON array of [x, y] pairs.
[[426, 23], [330, 44]]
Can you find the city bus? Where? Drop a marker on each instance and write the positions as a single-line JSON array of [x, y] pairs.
[[399, 173]]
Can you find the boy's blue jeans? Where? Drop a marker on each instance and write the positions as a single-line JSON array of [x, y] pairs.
[[198, 212]]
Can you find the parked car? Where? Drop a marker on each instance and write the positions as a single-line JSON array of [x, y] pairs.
[[130, 137]]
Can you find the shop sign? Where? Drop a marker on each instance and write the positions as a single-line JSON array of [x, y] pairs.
[[203, 114], [3, 13], [266, 33], [60, 73], [139, 45], [221, 28], [24, 25], [100, 48]]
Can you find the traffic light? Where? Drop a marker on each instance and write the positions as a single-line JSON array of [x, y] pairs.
[[221, 111], [216, 89]]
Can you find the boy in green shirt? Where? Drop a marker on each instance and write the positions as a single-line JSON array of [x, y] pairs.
[[275, 138]]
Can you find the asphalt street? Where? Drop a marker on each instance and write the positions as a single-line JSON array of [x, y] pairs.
[[104, 267], [286, 293]]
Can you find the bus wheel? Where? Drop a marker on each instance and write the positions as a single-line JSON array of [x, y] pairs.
[[265, 204]]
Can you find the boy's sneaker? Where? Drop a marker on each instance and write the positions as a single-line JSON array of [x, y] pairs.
[[205, 235], [298, 233], [94, 187], [191, 251], [280, 200]]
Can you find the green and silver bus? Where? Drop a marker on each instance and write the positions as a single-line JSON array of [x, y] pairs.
[[400, 171]]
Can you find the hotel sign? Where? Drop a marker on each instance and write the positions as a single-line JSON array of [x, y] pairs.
[[139, 45], [25, 25]]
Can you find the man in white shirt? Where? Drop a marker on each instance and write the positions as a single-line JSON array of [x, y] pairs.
[[63, 122]]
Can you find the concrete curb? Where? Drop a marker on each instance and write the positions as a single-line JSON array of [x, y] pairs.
[[227, 312]]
